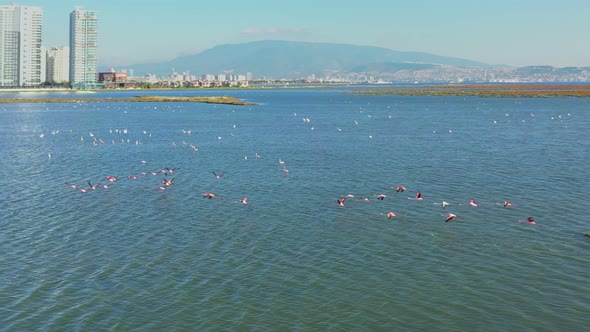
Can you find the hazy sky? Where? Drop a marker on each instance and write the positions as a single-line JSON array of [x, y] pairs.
[[512, 32]]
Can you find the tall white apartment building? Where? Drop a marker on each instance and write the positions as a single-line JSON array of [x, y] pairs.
[[58, 64], [43, 65], [83, 47], [20, 45]]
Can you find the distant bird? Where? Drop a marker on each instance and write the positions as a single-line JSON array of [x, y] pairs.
[[381, 197], [167, 170], [244, 200], [209, 195], [400, 189], [444, 204], [530, 220], [341, 201], [112, 178], [390, 215], [472, 203], [506, 204], [218, 175], [450, 217]]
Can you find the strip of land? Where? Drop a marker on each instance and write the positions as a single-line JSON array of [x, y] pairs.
[[149, 99], [485, 90]]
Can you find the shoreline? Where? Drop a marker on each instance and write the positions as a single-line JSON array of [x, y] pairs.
[[149, 99], [485, 90]]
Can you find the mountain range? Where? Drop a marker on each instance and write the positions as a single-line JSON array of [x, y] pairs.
[[291, 59], [275, 59]]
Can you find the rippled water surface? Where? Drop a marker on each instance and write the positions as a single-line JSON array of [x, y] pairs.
[[134, 258]]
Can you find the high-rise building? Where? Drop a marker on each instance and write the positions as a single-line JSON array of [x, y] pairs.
[[20, 45], [43, 65], [58, 64], [83, 47]]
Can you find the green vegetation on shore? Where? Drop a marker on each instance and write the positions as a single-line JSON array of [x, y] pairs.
[[152, 99], [486, 90]]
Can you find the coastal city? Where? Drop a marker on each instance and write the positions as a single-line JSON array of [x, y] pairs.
[[26, 62]]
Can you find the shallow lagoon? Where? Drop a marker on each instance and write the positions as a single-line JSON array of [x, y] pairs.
[[132, 257]]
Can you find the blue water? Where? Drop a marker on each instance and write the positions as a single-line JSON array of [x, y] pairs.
[[133, 258]]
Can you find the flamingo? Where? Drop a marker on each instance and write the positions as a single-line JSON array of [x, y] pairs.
[[112, 178], [209, 195], [450, 217]]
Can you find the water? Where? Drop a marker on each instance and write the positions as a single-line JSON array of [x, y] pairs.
[[132, 258]]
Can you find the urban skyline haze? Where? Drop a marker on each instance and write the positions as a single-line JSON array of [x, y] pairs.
[[520, 33]]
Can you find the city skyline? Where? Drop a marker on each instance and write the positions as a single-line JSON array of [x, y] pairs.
[[515, 34]]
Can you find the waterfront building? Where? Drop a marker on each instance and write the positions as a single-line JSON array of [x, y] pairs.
[[58, 65], [83, 48], [20, 45], [43, 64], [208, 77]]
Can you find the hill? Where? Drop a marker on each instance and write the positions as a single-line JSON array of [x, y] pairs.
[[291, 59]]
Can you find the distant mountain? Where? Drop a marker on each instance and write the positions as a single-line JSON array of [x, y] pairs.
[[290, 59]]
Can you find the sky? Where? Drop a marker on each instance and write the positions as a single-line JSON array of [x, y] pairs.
[[510, 32]]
